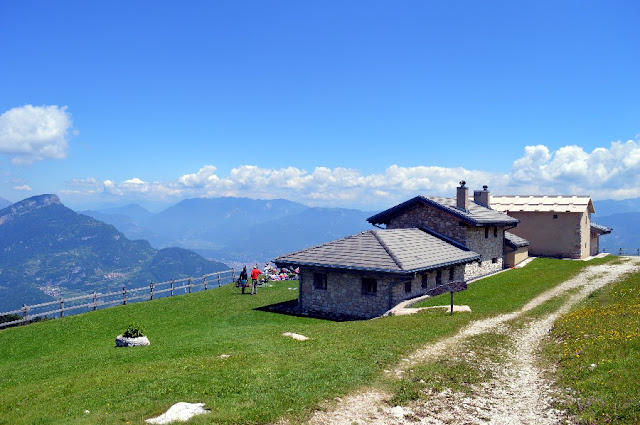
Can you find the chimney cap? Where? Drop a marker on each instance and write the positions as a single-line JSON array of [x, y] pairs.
[[485, 187], [462, 183]]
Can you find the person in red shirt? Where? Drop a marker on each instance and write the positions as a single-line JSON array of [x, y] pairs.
[[254, 277]]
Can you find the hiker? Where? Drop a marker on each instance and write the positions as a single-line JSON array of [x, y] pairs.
[[254, 277], [243, 279]]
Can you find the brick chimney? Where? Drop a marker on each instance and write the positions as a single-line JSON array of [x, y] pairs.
[[463, 196], [482, 196]]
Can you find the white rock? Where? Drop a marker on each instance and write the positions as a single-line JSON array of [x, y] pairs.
[[400, 412], [179, 412], [123, 341], [295, 336]]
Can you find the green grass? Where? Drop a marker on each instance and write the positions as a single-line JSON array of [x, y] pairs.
[[51, 372], [510, 291], [605, 332]]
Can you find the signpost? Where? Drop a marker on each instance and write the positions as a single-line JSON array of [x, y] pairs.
[[451, 287]]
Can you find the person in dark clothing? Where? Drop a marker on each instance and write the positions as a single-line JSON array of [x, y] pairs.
[[243, 278]]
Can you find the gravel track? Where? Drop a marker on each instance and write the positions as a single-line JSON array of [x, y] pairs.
[[518, 394]]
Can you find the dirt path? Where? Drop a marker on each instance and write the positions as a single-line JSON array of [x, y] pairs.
[[518, 393]]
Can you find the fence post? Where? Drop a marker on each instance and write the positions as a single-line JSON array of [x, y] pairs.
[[61, 308], [233, 275], [219, 284], [189, 285], [151, 286], [24, 314], [620, 251], [204, 278], [172, 281], [124, 295], [638, 252], [95, 301]]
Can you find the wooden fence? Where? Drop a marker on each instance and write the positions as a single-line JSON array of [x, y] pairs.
[[623, 251], [92, 302]]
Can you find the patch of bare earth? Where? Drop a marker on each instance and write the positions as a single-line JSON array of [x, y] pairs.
[[517, 393]]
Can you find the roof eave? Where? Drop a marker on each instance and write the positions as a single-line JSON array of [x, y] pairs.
[[280, 263]]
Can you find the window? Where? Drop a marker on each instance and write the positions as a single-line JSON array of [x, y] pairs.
[[320, 280], [439, 277], [495, 232], [486, 232], [451, 274], [369, 286], [425, 280], [407, 287], [494, 260]]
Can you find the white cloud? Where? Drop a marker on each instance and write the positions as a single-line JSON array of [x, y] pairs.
[[111, 188], [24, 188], [134, 185], [604, 173], [199, 179], [322, 186], [611, 172], [32, 133]]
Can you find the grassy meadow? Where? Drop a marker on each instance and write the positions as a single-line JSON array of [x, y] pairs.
[[597, 352], [68, 371]]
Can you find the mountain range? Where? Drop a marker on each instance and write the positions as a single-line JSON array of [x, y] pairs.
[[241, 230], [48, 250], [236, 230], [623, 216], [4, 203]]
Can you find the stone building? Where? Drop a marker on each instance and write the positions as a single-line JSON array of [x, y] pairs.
[[364, 275], [427, 242], [471, 223], [555, 226]]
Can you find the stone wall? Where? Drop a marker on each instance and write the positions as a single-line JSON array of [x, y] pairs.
[[343, 297], [439, 221], [489, 247], [482, 268]]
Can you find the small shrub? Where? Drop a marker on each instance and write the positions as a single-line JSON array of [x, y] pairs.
[[134, 330]]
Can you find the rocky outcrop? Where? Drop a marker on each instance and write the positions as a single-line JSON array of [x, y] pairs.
[[123, 341]]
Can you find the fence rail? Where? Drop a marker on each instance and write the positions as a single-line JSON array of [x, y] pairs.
[[30, 313], [623, 251]]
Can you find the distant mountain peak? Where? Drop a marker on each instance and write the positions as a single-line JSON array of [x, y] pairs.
[[28, 205]]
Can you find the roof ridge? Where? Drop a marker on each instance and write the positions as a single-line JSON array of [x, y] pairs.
[[386, 248]]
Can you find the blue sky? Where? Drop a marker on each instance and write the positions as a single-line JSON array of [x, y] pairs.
[[354, 104]]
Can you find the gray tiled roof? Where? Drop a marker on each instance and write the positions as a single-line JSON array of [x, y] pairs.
[[476, 215], [515, 241], [600, 229], [386, 250]]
